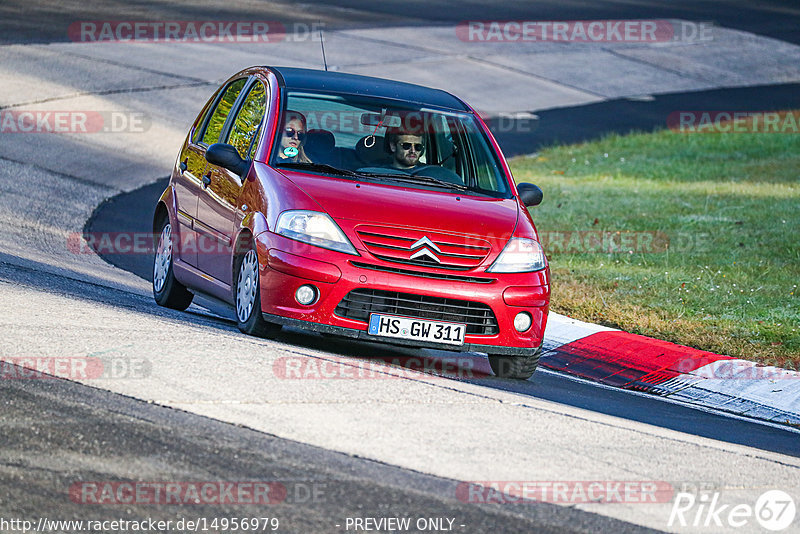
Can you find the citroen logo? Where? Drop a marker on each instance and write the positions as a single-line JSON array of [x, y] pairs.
[[427, 244]]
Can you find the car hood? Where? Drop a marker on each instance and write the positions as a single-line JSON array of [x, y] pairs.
[[352, 203]]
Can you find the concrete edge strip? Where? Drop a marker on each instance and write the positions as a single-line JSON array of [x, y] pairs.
[[630, 361]]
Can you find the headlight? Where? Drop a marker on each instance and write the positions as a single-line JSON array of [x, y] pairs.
[[521, 255], [314, 228]]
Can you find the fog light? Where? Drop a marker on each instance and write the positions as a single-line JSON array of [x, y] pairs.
[[522, 321], [306, 294]]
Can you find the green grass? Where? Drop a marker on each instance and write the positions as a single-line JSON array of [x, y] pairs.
[[729, 207]]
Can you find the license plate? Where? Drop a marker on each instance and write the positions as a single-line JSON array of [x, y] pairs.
[[417, 329]]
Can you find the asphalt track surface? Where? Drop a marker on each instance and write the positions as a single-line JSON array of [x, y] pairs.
[[126, 212], [43, 21], [322, 488], [621, 116], [116, 435]]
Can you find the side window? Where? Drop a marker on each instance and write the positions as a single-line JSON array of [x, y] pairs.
[[199, 130], [217, 119], [245, 127]]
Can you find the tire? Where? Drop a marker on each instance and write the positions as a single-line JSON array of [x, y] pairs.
[[167, 291], [247, 298], [519, 367]]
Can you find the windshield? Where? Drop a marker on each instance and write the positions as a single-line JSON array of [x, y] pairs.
[[370, 139]]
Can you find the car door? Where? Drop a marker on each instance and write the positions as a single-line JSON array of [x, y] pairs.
[[194, 176], [218, 214], [188, 185]]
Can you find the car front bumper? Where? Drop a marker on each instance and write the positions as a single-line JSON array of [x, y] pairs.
[[285, 265]]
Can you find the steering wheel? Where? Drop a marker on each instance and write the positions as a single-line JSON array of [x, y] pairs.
[[440, 173]]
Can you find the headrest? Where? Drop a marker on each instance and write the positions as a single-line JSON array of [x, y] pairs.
[[320, 141], [375, 153]]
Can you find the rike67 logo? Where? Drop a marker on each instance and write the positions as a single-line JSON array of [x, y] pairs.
[[774, 510]]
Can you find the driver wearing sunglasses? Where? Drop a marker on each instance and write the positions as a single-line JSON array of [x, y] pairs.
[[406, 150], [293, 137]]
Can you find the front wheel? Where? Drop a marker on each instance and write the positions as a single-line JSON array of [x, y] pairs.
[[248, 299], [167, 291], [520, 367]]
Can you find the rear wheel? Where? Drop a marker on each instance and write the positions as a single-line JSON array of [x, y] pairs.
[[248, 299], [520, 367], [167, 291]]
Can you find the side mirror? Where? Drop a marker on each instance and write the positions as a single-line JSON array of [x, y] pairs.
[[530, 194], [227, 157]]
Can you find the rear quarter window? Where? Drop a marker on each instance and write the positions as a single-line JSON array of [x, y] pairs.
[[217, 119]]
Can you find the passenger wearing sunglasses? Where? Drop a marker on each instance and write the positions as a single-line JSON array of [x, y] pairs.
[[406, 150], [293, 137]]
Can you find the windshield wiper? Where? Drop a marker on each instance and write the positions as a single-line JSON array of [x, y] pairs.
[[321, 167], [416, 179]]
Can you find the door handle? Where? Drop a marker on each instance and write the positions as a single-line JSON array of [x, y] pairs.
[[184, 165], [206, 180]]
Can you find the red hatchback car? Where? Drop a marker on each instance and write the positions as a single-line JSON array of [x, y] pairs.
[[354, 206]]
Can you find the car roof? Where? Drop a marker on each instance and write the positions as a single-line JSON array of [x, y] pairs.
[[340, 82]]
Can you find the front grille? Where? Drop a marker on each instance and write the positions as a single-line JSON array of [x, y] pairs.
[[359, 303], [424, 248]]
